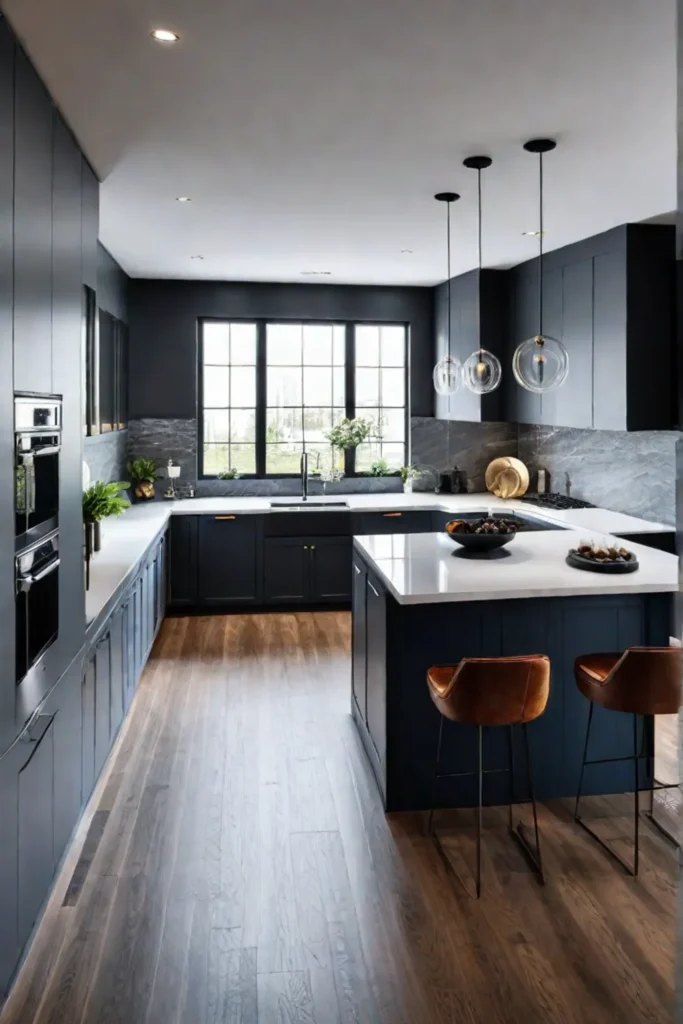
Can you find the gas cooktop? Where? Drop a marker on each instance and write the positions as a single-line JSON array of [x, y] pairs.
[[559, 501]]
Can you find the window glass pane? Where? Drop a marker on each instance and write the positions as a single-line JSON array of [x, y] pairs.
[[393, 387], [216, 425], [216, 341], [284, 385], [243, 458], [321, 457], [394, 454], [318, 345], [216, 386], [367, 388], [317, 422], [216, 458], [284, 425], [393, 346], [283, 344], [339, 386], [367, 345], [366, 454], [243, 344], [339, 332], [317, 385], [393, 425], [282, 458], [243, 386], [243, 425]]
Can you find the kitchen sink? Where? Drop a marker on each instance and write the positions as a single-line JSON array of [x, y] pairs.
[[303, 505]]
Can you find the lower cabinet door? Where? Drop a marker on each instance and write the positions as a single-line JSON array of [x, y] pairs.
[[65, 704], [116, 665], [9, 863], [102, 701], [376, 695], [182, 557], [287, 570], [331, 569], [358, 639], [88, 731], [229, 560], [36, 826]]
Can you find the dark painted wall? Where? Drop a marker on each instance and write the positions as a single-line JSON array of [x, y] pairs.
[[112, 285], [49, 215], [163, 324]]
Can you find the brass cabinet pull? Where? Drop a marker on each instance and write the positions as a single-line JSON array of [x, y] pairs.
[[389, 515], [305, 547], [312, 547], [225, 517]]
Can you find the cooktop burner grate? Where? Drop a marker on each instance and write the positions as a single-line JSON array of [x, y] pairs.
[[559, 501]]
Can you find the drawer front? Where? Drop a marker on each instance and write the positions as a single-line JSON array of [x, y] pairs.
[[396, 522], [308, 524]]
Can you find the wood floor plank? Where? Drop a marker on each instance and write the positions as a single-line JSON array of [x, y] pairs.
[[236, 865]]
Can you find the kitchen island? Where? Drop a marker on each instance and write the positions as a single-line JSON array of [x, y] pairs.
[[418, 601]]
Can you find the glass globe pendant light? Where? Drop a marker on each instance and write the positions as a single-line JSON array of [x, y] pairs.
[[482, 372], [448, 370], [540, 363]]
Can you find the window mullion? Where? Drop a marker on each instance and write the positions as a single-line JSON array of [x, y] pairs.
[[261, 398], [350, 380]]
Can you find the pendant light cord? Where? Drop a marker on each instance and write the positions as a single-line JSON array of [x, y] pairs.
[[540, 244], [448, 261], [479, 229]]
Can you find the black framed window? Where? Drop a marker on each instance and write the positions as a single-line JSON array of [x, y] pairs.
[[272, 389], [228, 397], [381, 392]]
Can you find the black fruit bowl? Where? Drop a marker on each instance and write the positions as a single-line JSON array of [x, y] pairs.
[[482, 541]]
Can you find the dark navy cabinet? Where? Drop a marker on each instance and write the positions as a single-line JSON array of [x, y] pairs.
[[394, 522], [376, 658], [229, 560], [358, 639], [182, 588], [330, 570], [307, 570]]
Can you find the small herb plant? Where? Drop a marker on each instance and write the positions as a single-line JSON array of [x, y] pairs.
[[409, 473], [103, 500], [381, 468], [142, 471], [229, 474], [350, 433]]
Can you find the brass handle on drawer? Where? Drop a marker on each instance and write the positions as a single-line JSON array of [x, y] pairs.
[[225, 517], [305, 547], [390, 515], [312, 547]]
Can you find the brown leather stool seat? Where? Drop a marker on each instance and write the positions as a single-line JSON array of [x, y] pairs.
[[643, 682], [492, 692]]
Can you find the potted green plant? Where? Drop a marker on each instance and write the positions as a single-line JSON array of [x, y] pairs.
[[381, 468], [408, 474], [143, 474], [348, 434], [100, 501], [229, 474]]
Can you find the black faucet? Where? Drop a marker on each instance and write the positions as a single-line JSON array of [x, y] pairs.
[[304, 476]]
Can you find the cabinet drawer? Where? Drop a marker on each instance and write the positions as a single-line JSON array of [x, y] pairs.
[[395, 522], [308, 524]]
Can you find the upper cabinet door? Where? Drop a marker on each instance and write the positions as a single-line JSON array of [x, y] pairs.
[[32, 231], [570, 318]]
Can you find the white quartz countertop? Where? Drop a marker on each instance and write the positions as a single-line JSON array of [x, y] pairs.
[[125, 540], [426, 568]]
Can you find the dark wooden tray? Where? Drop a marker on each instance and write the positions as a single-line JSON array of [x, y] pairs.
[[577, 561]]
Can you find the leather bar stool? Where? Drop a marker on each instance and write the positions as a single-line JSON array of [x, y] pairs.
[[643, 682], [486, 692]]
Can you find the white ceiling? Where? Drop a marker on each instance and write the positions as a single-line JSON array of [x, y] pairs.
[[312, 134]]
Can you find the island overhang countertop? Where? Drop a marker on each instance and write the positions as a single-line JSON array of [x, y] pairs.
[[428, 568]]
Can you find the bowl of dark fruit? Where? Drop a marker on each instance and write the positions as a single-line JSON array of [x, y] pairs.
[[481, 534]]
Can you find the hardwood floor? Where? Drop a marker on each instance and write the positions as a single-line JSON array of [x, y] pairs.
[[235, 865]]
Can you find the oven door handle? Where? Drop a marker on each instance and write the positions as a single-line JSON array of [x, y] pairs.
[[24, 583]]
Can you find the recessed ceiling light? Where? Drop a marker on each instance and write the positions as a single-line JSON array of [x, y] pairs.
[[407, 252], [533, 234], [196, 257], [164, 35], [183, 199], [316, 273]]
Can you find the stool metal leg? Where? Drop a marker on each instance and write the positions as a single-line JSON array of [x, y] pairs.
[[479, 810], [533, 853], [583, 762], [636, 797], [436, 777], [511, 751]]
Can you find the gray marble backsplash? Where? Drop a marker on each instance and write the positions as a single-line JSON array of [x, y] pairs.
[[164, 439], [631, 472], [443, 445], [106, 456]]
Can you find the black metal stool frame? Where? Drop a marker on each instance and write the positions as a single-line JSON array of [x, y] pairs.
[[533, 855], [636, 758]]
